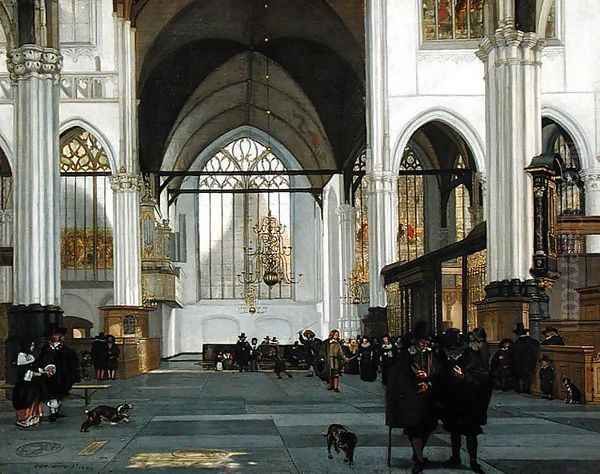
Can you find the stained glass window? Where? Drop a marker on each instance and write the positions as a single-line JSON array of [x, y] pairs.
[[6, 183], [462, 205], [227, 218], [452, 19], [76, 21], [551, 26], [86, 213], [361, 233], [411, 221]]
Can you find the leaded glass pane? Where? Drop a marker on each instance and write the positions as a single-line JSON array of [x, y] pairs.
[[429, 28], [476, 18], [226, 221], [452, 19], [444, 19], [551, 23], [411, 228], [86, 213], [461, 19]]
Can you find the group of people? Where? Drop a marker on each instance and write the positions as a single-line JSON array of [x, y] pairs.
[[45, 374], [105, 357], [513, 365], [443, 379]]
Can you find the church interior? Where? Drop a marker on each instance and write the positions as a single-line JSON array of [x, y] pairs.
[[176, 173]]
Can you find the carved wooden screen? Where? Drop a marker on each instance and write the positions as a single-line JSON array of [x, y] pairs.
[[226, 219], [87, 208]]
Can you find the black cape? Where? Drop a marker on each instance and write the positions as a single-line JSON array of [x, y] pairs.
[[67, 370], [525, 352]]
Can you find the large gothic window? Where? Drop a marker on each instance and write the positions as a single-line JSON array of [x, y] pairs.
[[86, 211], [462, 205], [452, 19], [76, 21], [228, 214], [411, 219]]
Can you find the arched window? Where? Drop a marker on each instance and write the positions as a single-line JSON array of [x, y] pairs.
[[228, 214], [411, 220], [6, 184], [462, 205], [86, 211]]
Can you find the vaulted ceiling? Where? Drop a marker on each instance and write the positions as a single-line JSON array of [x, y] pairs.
[[195, 81]]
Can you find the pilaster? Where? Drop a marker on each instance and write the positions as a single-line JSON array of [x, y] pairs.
[[126, 237], [349, 320], [591, 179], [6, 274]]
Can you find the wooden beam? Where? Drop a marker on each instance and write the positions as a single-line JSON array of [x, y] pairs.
[[579, 225]]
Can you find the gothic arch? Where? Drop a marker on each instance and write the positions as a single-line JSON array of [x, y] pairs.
[[81, 123], [8, 153], [8, 26], [452, 120], [574, 129]]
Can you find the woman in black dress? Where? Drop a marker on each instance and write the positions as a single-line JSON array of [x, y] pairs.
[[387, 358], [99, 354], [112, 357], [351, 353], [28, 394], [368, 361]]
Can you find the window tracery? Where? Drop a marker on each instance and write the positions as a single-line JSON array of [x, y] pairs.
[[227, 217], [411, 219]]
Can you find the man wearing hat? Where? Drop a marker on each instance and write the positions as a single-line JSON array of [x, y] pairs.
[[62, 366], [311, 347], [525, 355], [552, 337], [242, 352]]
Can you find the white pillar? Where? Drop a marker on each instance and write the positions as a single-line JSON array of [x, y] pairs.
[[6, 283], [382, 180], [349, 318], [127, 264], [591, 179], [36, 71], [513, 131], [382, 201]]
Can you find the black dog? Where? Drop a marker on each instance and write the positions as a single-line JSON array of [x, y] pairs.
[[106, 413], [572, 392], [341, 438]]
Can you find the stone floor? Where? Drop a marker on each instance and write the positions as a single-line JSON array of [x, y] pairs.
[[186, 420]]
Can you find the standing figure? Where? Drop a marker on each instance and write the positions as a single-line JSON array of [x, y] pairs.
[[547, 375], [502, 368], [351, 354], [368, 361], [334, 356], [99, 356], [311, 346], [219, 365], [62, 368], [254, 353], [525, 355], [409, 399], [242, 353], [112, 357], [464, 395], [387, 358], [29, 391], [478, 342], [280, 364]]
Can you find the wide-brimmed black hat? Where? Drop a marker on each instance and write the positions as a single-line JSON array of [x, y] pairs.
[[452, 338], [520, 329], [421, 331], [242, 336]]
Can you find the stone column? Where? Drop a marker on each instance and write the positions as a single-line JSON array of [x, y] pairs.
[[382, 204], [6, 273], [591, 179], [382, 181], [512, 62], [127, 264], [349, 319]]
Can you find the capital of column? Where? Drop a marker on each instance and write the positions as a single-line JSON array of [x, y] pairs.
[[32, 60], [124, 182], [6, 216], [345, 212], [381, 182], [517, 47], [591, 179]]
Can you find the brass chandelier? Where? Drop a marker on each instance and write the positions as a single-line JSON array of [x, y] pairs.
[[356, 288], [269, 261]]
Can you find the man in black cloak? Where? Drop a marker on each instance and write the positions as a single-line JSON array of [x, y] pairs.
[[311, 346], [464, 395], [525, 353], [409, 395], [61, 364], [242, 352]]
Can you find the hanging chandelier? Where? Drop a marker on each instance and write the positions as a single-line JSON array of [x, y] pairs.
[[269, 261], [250, 301]]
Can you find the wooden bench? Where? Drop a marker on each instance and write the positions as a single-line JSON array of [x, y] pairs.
[[88, 389]]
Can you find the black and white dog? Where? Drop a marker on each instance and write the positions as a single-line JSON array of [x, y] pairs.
[[106, 413], [573, 394], [342, 439]]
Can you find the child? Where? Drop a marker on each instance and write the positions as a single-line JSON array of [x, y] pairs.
[[219, 362], [501, 366], [547, 377]]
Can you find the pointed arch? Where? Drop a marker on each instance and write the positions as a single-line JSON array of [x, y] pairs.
[[88, 127], [574, 129]]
